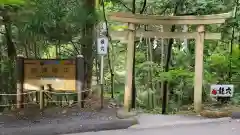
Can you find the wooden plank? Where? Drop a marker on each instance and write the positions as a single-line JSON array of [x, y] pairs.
[[158, 17], [198, 78], [122, 35], [169, 20], [124, 26], [178, 35], [165, 22]]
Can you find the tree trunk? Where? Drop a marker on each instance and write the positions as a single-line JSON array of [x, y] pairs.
[[11, 50], [87, 46], [87, 49], [168, 59]]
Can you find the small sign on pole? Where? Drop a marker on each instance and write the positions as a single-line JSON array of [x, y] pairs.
[[102, 45], [221, 90]]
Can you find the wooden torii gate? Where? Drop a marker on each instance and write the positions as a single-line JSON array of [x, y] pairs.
[[199, 37]]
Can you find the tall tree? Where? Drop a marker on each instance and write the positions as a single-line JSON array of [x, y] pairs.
[[87, 45]]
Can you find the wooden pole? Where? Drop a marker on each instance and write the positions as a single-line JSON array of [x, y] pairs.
[[102, 79], [41, 97], [20, 79], [198, 80], [129, 68], [163, 48]]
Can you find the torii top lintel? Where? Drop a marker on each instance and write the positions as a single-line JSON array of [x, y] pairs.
[[169, 20]]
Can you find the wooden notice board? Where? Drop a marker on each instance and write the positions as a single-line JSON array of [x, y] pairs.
[[61, 74]]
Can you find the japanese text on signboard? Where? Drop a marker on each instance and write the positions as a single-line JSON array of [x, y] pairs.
[[222, 90], [60, 74]]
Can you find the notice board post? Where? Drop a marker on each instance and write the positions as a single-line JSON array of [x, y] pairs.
[[20, 78], [80, 79], [41, 97]]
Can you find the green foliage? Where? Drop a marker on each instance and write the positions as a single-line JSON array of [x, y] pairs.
[[8, 81], [37, 28], [13, 2], [149, 74], [60, 19], [41, 26]]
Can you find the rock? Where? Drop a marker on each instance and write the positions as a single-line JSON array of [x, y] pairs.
[[235, 115], [123, 114], [64, 111]]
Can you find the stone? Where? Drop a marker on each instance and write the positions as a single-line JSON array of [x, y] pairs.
[[235, 115], [123, 114]]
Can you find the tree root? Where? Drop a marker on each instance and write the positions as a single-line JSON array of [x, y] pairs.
[[215, 114]]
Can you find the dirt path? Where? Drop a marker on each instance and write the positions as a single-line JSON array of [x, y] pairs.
[[54, 118]]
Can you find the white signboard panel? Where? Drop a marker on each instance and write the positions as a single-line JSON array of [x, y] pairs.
[[222, 90], [102, 45]]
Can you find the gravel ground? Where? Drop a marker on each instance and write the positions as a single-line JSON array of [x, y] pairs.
[[69, 127], [221, 128], [71, 121], [55, 120], [24, 121]]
